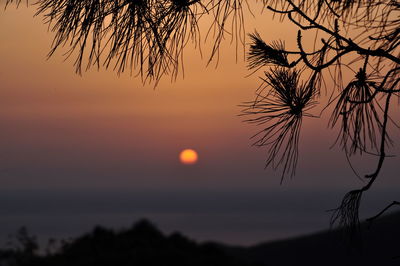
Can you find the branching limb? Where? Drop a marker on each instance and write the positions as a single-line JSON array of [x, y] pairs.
[[373, 218]]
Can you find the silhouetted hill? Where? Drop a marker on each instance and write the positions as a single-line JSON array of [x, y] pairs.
[[144, 245], [378, 245]]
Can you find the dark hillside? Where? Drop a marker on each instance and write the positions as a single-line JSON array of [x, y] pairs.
[[378, 245], [144, 245]]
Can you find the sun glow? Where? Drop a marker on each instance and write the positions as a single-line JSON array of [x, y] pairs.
[[188, 156]]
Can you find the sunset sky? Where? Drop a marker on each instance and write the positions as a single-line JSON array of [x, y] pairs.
[[100, 131]]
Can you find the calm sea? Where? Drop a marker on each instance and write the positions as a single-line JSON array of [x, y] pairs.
[[234, 217]]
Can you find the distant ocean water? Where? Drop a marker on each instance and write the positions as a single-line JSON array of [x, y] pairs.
[[232, 217]]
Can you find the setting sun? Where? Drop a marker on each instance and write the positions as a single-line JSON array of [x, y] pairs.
[[188, 156]]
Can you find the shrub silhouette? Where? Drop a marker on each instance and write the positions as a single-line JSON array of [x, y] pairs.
[[143, 244]]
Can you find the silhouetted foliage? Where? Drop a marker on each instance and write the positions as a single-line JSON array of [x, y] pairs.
[[143, 244], [282, 107], [261, 54], [22, 250], [145, 36], [363, 37], [359, 36]]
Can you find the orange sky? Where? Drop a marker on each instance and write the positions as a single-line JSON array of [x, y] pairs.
[[60, 129]]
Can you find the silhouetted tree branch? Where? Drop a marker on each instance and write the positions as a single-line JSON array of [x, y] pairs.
[[146, 37], [373, 218], [373, 55]]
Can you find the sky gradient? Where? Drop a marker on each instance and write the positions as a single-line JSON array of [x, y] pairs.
[[103, 132]]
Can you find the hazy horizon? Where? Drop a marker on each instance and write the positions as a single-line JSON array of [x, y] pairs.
[[235, 217]]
